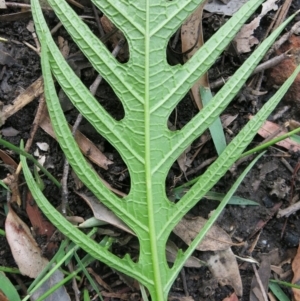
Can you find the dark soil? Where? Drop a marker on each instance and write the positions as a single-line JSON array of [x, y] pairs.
[[243, 223]]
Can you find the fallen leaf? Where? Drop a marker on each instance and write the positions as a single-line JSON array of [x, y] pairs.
[[40, 225], [264, 272], [87, 147], [33, 91], [296, 278], [24, 248], [216, 238], [59, 294], [270, 128], [7, 159], [245, 39], [172, 251], [191, 41], [104, 214], [28, 256], [224, 268]]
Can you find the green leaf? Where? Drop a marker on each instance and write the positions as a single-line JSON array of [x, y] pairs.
[[216, 128], [149, 90], [278, 292], [8, 288]]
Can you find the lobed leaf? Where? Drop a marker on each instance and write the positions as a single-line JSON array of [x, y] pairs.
[[149, 89]]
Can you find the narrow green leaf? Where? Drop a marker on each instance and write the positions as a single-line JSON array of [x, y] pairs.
[[8, 288], [216, 128], [278, 292]]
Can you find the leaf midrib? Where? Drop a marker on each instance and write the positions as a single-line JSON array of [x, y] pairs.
[[158, 285]]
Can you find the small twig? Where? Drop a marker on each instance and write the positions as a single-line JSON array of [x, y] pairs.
[[74, 283], [75, 3], [282, 13], [99, 25], [264, 66], [289, 210], [22, 5], [287, 165], [283, 39], [202, 165], [36, 122], [94, 86], [185, 288]]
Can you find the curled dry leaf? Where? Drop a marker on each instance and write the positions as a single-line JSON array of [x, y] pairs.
[[245, 39], [24, 248], [216, 238]]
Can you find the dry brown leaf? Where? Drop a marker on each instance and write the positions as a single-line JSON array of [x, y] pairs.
[[104, 214], [172, 251], [264, 275], [245, 39], [192, 38], [24, 248], [269, 128], [216, 238], [87, 147], [296, 278], [8, 159], [41, 226], [33, 91], [224, 268]]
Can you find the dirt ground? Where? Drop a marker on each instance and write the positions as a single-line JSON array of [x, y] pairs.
[[270, 183]]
